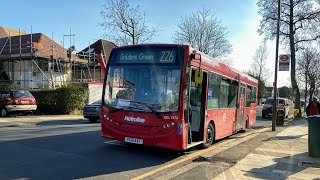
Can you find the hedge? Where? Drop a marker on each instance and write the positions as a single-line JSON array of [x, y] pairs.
[[63, 100]]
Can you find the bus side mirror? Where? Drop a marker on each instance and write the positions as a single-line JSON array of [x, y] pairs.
[[195, 55]]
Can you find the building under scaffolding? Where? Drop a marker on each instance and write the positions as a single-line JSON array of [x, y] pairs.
[[89, 54], [30, 61]]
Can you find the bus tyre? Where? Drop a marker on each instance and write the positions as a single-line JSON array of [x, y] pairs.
[[93, 120], [209, 136], [3, 112]]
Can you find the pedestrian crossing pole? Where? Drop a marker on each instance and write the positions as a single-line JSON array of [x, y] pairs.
[[274, 107]]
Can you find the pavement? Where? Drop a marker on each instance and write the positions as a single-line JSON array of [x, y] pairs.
[[18, 121], [284, 156]]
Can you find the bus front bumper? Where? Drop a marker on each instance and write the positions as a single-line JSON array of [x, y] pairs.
[[170, 140]]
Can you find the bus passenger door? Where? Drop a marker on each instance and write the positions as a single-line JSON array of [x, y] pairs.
[[197, 107], [241, 104]]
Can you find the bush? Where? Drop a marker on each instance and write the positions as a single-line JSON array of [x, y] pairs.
[[63, 100], [8, 86]]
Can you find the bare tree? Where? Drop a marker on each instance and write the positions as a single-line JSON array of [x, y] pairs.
[[258, 66], [125, 25], [300, 24], [203, 31], [259, 63], [308, 67]]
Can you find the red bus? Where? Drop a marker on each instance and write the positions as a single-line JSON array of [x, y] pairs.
[[172, 96]]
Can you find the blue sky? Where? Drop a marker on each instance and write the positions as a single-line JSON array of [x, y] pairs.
[[57, 17]]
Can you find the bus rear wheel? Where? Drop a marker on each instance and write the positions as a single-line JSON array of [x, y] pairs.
[[209, 136]]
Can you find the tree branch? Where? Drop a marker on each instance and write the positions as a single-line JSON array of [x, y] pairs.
[[307, 17], [307, 40]]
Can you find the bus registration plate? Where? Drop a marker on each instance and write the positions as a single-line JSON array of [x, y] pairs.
[[133, 140]]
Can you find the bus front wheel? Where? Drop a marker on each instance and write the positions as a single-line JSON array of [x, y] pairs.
[[209, 136]]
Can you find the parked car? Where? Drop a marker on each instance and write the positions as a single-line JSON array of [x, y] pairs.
[[92, 111], [283, 107], [13, 101]]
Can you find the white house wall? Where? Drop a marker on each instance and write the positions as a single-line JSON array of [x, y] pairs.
[[31, 77]]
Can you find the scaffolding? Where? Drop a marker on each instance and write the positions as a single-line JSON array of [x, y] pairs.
[[23, 67], [93, 70]]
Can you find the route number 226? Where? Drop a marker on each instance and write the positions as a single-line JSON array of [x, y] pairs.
[[167, 56]]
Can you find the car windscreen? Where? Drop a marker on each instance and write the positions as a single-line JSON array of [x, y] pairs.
[[270, 102], [281, 102], [21, 94], [97, 102]]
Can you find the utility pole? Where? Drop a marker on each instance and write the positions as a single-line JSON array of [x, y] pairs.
[[52, 65], [70, 49], [274, 107]]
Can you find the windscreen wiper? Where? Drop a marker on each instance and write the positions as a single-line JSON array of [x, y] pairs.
[[112, 109], [148, 106]]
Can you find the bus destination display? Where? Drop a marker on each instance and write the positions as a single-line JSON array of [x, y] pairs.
[[143, 56]]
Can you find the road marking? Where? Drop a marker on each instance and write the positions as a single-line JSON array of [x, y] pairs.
[[114, 142], [200, 152]]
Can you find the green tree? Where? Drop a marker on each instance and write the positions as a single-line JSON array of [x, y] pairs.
[[285, 92]]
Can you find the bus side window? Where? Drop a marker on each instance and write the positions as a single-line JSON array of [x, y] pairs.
[[213, 91], [195, 92], [233, 94], [224, 94], [253, 95], [249, 96]]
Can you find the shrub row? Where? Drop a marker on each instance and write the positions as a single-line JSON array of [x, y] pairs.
[[63, 100]]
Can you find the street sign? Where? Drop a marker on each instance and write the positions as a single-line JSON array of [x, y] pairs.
[[284, 58], [284, 62], [284, 67]]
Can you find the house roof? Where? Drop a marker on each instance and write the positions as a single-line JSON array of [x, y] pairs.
[[5, 32], [43, 47], [97, 47]]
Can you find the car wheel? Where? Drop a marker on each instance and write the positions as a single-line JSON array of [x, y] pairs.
[[3, 112], [93, 120], [209, 136]]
